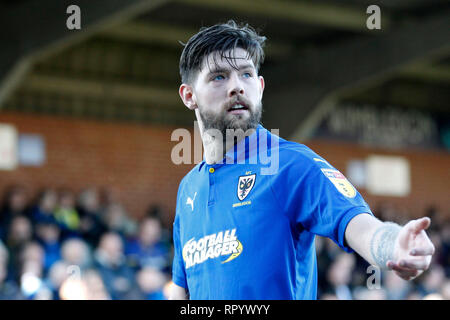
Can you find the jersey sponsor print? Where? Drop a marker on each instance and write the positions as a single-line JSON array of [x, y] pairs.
[[223, 243]]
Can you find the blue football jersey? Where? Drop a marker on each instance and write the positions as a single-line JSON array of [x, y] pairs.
[[245, 228]]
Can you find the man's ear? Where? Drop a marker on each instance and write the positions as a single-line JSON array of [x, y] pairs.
[[187, 95], [262, 85]]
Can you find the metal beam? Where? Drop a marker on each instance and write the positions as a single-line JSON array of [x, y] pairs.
[[404, 92], [101, 90], [337, 68], [429, 73], [34, 29], [149, 33], [170, 35]]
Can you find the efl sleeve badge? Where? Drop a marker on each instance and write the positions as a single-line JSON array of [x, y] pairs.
[[340, 182]]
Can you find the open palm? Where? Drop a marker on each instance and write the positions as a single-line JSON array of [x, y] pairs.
[[413, 250]]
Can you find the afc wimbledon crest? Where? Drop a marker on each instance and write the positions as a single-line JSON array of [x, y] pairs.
[[245, 185]]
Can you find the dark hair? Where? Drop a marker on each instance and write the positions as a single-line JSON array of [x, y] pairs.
[[220, 38]]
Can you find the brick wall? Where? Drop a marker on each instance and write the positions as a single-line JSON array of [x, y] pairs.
[[133, 161]]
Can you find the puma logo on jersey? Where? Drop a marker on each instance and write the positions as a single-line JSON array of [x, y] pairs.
[[191, 201]]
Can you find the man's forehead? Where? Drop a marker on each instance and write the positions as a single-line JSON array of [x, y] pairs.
[[229, 59]]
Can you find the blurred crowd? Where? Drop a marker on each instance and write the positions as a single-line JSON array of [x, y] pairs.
[[347, 276], [62, 245]]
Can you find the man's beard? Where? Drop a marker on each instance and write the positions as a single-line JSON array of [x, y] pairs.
[[233, 128], [224, 120]]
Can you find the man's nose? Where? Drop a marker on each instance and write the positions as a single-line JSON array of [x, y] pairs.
[[235, 87]]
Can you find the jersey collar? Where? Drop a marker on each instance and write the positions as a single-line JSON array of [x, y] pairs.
[[240, 152]]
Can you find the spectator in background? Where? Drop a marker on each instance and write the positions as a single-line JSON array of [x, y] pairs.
[[47, 234], [148, 250], [91, 225], [396, 287], [437, 217], [445, 290], [432, 280], [14, 204], [4, 255], [44, 207], [76, 252], [327, 251], [339, 276], [96, 289], [32, 282], [436, 239], [20, 232], [86, 286], [116, 220], [56, 276], [8, 288], [38, 269], [323, 260], [151, 282], [117, 276], [107, 196], [445, 249], [32, 252], [66, 214], [157, 212]]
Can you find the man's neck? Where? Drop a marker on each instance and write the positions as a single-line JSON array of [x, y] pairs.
[[216, 149]]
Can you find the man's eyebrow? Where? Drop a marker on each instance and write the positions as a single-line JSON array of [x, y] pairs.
[[222, 70]]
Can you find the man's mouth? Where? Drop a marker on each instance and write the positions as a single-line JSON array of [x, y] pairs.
[[237, 108]]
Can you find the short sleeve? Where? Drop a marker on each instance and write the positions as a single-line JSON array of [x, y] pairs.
[[317, 196]]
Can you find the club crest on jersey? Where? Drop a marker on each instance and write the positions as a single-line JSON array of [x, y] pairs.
[[245, 185]]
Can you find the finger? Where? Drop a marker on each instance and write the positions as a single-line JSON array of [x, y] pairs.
[[420, 224], [407, 277], [397, 267], [421, 264], [406, 274], [428, 251]]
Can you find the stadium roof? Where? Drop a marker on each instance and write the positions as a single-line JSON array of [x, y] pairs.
[[123, 63]]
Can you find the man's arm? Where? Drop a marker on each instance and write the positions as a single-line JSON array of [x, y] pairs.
[[407, 250], [177, 293]]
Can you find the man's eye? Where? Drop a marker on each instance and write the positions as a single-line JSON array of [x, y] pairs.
[[247, 75], [219, 77]]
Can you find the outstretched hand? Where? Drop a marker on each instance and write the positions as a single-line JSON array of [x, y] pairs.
[[413, 250]]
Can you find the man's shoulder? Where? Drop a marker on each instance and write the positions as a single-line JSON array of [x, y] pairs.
[[291, 151], [192, 175]]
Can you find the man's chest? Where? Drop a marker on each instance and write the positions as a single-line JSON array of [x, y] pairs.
[[225, 199], [228, 217]]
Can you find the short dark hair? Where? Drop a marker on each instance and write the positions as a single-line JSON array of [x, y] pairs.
[[220, 38]]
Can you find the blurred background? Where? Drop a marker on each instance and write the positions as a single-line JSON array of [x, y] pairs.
[[87, 185]]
